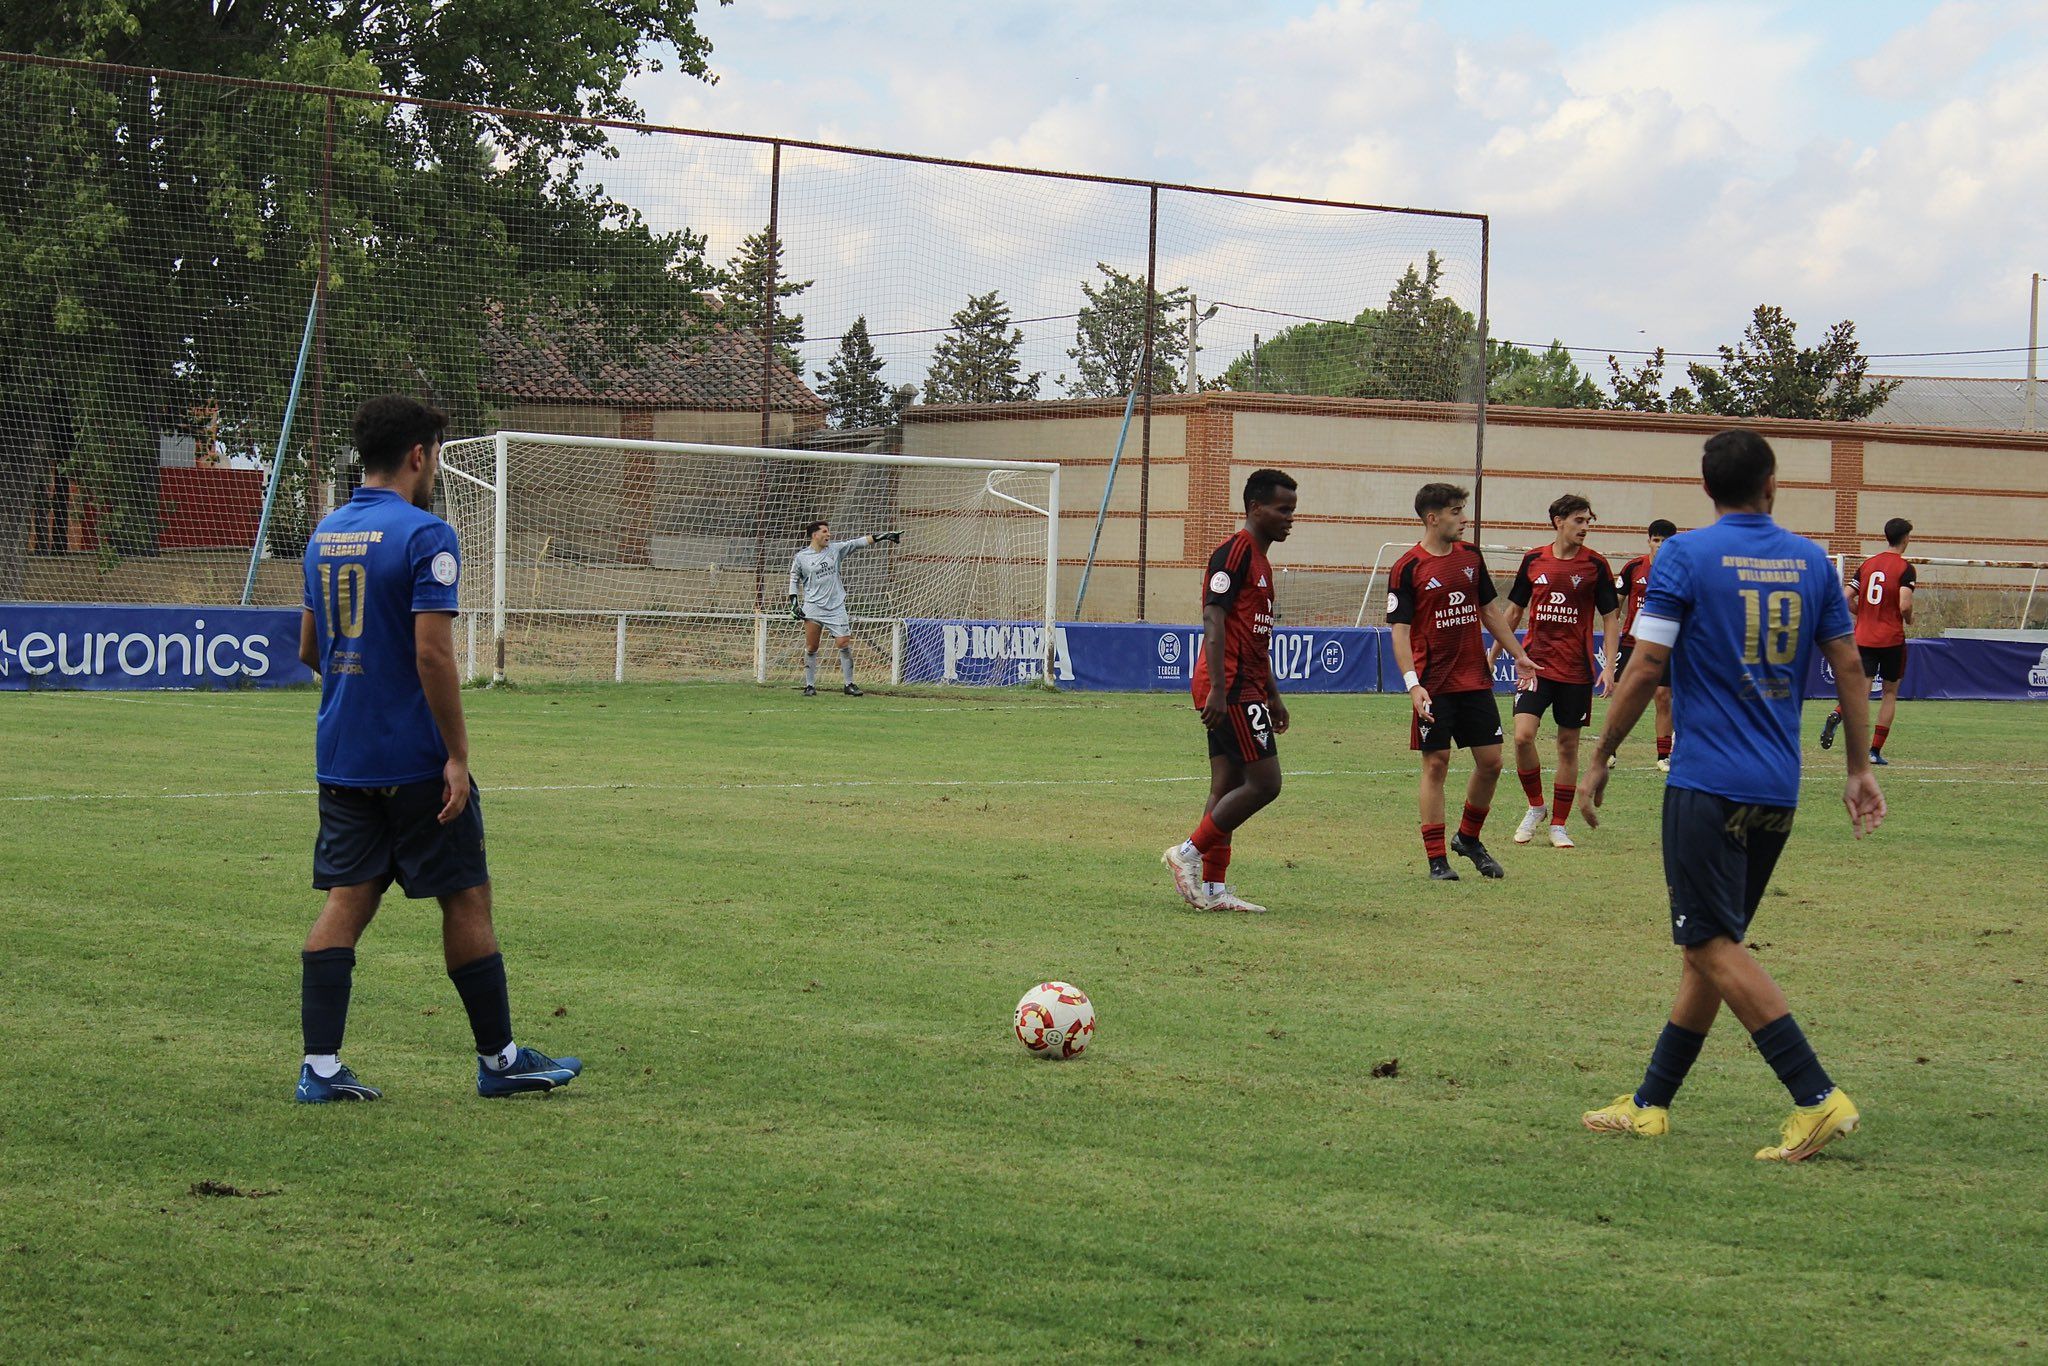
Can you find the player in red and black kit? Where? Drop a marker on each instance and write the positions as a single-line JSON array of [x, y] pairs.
[[1438, 595], [1881, 600], [1561, 586], [1635, 581], [1233, 689]]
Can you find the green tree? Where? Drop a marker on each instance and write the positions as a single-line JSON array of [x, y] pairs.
[[1641, 390], [745, 293], [1765, 374], [1326, 358], [161, 238], [977, 361], [1549, 379], [1109, 337], [1423, 346], [1768, 374], [852, 386]]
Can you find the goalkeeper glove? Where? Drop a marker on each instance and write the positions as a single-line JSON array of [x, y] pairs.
[[893, 537], [796, 613]]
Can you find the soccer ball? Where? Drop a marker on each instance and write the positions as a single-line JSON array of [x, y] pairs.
[[1055, 1020]]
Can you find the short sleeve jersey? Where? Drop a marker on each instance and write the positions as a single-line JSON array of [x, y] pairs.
[[1741, 603], [1878, 581], [1635, 581], [1438, 598], [1563, 598], [370, 566], [1240, 581], [814, 577]]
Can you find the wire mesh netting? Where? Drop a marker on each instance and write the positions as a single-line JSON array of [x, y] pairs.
[[175, 244], [648, 559]]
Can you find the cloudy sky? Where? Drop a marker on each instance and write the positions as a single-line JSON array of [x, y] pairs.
[[1652, 170]]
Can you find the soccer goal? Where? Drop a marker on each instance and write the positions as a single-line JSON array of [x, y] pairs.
[[591, 558]]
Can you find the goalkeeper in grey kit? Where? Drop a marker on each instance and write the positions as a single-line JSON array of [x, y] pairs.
[[818, 599]]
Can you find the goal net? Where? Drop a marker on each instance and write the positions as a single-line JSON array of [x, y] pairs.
[[591, 558]]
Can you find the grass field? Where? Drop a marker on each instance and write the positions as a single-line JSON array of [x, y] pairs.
[[786, 937]]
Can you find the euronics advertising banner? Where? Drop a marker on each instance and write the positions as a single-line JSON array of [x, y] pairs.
[[1108, 657], [72, 645]]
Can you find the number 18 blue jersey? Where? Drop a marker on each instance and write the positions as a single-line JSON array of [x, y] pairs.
[[1742, 603]]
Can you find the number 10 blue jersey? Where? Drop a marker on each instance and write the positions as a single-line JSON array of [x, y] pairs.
[[1749, 600]]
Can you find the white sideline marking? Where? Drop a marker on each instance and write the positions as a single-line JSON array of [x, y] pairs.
[[852, 783]]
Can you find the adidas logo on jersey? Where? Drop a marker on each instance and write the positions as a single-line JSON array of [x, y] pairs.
[[1262, 580], [1433, 583], [1543, 578]]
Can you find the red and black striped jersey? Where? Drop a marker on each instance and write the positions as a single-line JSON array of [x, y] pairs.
[[1635, 581], [1438, 598], [1563, 596], [1241, 581]]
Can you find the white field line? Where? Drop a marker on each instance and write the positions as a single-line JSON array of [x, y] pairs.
[[851, 784]]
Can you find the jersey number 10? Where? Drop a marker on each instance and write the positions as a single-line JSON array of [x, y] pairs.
[[341, 598], [1770, 627]]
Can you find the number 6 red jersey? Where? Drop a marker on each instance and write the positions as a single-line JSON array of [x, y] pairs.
[[1878, 581]]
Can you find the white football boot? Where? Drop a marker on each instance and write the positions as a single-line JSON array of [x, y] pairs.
[[1186, 866], [1532, 821], [1560, 838], [1228, 900]]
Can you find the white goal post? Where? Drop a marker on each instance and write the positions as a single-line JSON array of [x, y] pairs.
[[588, 557]]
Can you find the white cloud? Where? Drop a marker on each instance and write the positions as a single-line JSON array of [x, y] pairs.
[[1940, 48]]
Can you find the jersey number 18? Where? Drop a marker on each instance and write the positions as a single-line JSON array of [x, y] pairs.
[[1771, 627]]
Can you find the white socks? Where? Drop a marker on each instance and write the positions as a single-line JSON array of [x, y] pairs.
[[501, 1060], [846, 664], [323, 1064]]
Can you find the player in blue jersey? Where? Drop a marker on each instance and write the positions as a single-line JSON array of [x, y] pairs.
[[396, 799], [1737, 609]]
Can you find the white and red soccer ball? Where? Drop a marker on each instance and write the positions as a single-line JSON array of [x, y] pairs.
[[1055, 1020]]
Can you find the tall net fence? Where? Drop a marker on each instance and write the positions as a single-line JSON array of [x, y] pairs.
[[174, 244]]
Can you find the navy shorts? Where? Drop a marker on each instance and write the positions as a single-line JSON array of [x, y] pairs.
[[1569, 704], [386, 834], [1246, 734], [1718, 857]]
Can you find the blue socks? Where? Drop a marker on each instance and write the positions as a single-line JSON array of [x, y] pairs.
[[1785, 1048], [325, 976], [1676, 1051]]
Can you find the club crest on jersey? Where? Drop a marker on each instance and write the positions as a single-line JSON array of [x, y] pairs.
[[1468, 573], [1575, 579]]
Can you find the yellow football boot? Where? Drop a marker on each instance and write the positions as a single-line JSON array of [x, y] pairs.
[[1813, 1127], [1624, 1116]]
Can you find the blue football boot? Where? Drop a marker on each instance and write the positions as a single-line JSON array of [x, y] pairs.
[[1877, 758], [315, 1089], [531, 1070]]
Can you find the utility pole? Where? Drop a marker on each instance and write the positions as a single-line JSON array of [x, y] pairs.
[[1194, 383], [2033, 351]]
